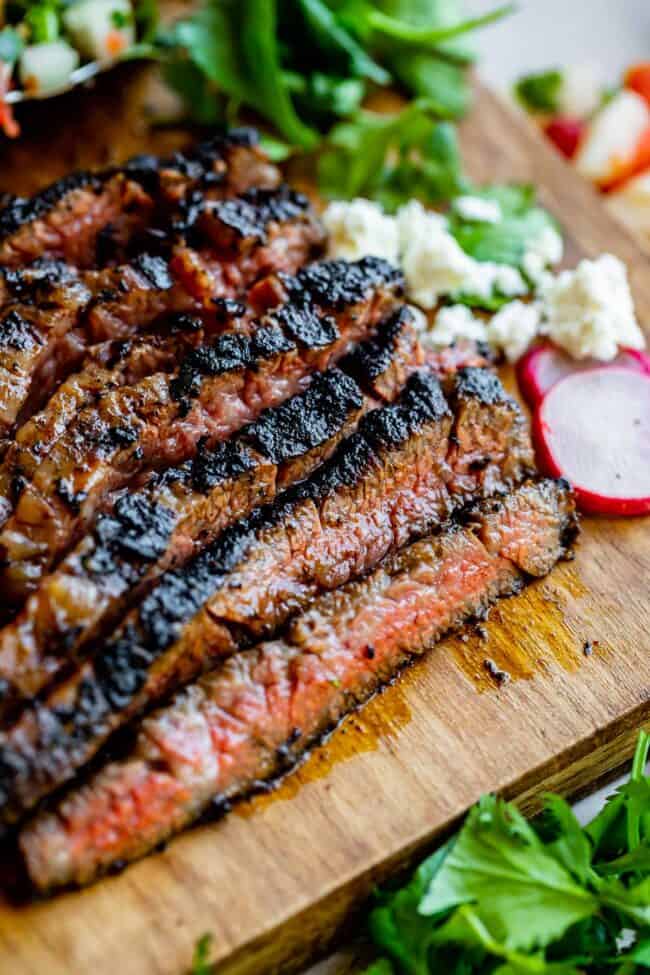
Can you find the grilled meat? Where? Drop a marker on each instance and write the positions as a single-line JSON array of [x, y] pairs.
[[162, 523], [255, 715], [409, 465], [109, 365], [61, 312], [160, 420], [75, 603], [90, 218]]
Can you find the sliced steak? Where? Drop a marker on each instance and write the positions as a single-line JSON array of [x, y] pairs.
[[256, 714], [88, 218], [163, 523], [160, 420], [409, 465], [109, 365], [44, 338]]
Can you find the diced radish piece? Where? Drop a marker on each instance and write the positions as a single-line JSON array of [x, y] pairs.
[[616, 141], [638, 79], [545, 365], [593, 428], [565, 134]]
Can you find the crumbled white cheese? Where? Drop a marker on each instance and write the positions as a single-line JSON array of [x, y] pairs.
[[434, 265], [590, 311], [415, 222], [453, 323], [477, 209], [513, 328], [546, 250], [483, 278], [360, 228]]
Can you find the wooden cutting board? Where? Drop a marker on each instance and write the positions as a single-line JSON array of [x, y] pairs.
[[274, 881]]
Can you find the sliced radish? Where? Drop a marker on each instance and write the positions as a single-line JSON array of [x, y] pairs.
[[544, 365], [593, 428]]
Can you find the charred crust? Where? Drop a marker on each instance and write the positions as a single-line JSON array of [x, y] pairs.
[[307, 420], [136, 527], [17, 333], [306, 326], [73, 499], [229, 308], [473, 382], [224, 462], [21, 210], [250, 214], [371, 358], [229, 353], [27, 283], [155, 270], [334, 284], [421, 402]]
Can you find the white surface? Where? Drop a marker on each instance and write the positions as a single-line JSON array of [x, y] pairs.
[[550, 33]]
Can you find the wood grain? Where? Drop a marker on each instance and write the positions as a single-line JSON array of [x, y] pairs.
[[275, 880]]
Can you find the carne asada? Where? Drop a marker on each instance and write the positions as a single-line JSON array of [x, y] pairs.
[[74, 604], [159, 421], [45, 337], [258, 713], [409, 465], [160, 525], [85, 216]]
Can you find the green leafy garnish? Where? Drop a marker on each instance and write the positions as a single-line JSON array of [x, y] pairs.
[[506, 241], [392, 158], [305, 67], [511, 897], [540, 92]]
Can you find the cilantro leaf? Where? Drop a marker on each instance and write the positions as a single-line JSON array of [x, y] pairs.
[[569, 844], [392, 158], [523, 896], [505, 242], [396, 925]]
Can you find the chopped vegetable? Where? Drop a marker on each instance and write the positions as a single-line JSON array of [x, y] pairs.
[[100, 29], [511, 897], [46, 68], [638, 79], [540, 92], [565, 134], [593, 427]]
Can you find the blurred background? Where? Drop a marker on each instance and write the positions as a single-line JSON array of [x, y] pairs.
[[608, 34]]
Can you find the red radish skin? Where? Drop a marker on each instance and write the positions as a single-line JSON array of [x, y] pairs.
[[565, 133], [544, 365], [593, 428]]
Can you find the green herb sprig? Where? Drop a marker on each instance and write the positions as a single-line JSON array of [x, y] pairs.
[[511, 897], [304, 68]]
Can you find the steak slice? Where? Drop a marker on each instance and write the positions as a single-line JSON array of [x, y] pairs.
[[45, 338], [255, 715], [160, 420], [160, 525], [76, 603], [108, 365], [409, 465], [86, 218]]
